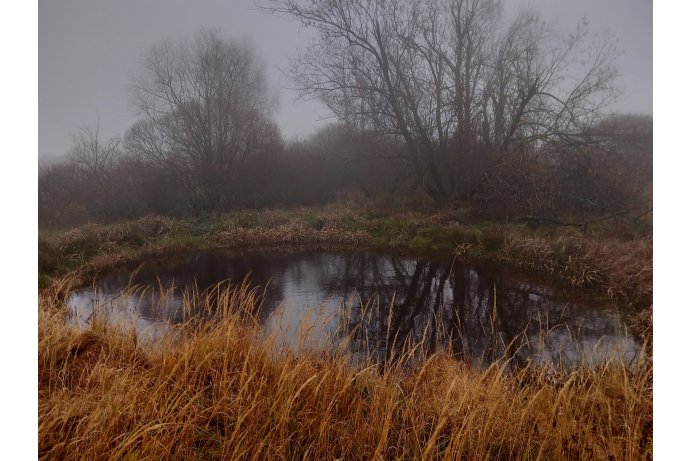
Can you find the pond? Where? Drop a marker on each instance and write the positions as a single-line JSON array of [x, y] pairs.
[[315, 297]]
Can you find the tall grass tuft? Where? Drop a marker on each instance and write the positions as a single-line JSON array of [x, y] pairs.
[[214, 388]]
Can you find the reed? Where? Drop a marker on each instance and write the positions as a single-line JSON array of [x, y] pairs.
[[214, 388]]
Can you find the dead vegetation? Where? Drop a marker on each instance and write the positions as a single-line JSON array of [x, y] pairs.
[[292, 234], [223, 394], [621, 269]]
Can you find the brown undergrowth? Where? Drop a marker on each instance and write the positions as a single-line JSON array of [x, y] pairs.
[[222, 393], [291, 234], [621, 270]]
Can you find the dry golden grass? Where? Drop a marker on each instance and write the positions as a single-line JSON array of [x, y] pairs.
[[288, 234], [221, 393], [105, 236], [621, 269]]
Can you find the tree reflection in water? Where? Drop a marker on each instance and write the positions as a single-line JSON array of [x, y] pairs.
[[385, 301], [477, 314]]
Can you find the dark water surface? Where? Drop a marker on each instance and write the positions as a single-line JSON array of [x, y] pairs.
[[474, 311]]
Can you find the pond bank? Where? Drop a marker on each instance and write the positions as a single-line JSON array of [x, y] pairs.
[[608, 266]]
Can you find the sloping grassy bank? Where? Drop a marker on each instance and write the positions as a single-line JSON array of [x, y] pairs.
[[222, 394], [617, 268]]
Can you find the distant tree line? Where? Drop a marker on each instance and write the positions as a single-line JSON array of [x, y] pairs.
[[440, 103]]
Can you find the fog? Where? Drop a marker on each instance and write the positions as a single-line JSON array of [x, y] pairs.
[[88, 51]]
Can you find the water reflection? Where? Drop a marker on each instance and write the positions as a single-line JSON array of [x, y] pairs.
[[381, 301]]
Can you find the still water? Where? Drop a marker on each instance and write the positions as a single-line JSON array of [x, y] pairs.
[[314, 298]]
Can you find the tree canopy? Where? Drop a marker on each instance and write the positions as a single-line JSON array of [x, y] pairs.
[[452, 80], [205, 107]]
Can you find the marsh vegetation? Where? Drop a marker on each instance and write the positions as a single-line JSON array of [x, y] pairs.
[[216, 382], [459, 267], [216, 390]]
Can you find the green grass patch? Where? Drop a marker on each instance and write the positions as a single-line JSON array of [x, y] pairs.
[[438, 238]]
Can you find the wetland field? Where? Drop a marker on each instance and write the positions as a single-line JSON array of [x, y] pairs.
[[331, 333]]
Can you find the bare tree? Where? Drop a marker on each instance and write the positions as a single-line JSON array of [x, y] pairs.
[[205, 107], [450, 80], [95, 162]]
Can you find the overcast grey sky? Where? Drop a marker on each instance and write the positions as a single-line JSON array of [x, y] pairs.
[[89, 49]]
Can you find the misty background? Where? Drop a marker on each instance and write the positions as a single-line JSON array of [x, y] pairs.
[[89, 50], [532, 111]]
